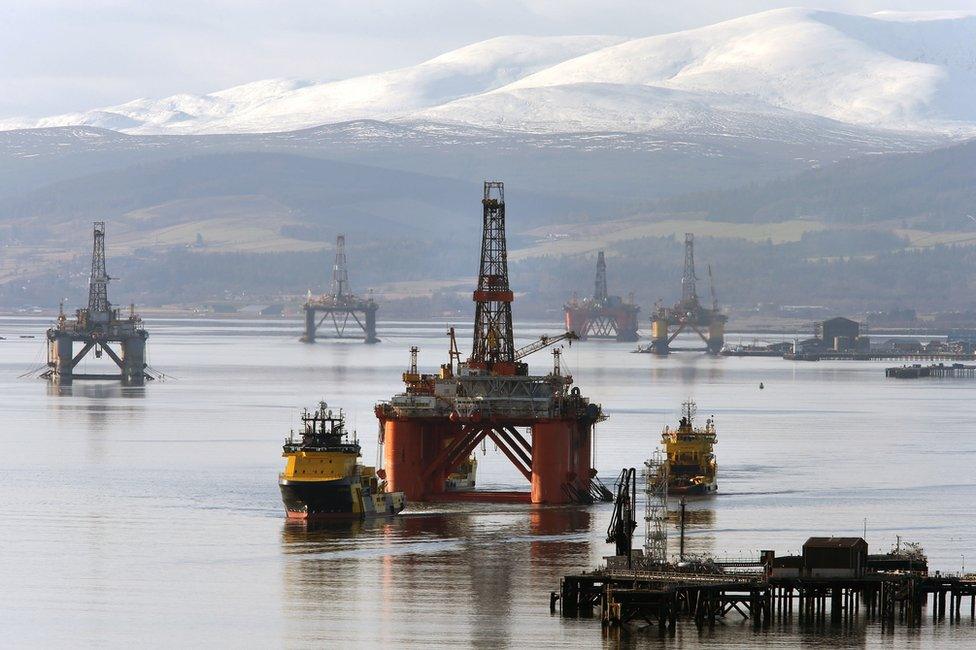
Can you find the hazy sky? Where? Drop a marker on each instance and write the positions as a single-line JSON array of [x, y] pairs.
[[64, 55]]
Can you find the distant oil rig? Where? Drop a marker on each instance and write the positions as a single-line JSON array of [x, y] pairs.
[[688, 313], [340, 305], [96, 327], [433, 426], [603, 316]]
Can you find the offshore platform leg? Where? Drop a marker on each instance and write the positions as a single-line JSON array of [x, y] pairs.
[[659, 336], [134, 361], [371, 325], [309, 336], [60, 356], [716, 336]]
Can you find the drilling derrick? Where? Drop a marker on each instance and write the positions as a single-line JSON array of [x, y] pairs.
[[541, 423], [340, 306], [688, 313], [603, 316], [96, 327], [493, 346]]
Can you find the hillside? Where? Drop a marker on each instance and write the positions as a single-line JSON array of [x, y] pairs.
[[898, 71], [933, 190]]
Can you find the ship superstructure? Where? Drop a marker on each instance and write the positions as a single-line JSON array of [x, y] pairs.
[[323, 478], [691, 464]]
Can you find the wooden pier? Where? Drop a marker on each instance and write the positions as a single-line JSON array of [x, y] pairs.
[[664, 598], [941, 371], [877, 356]]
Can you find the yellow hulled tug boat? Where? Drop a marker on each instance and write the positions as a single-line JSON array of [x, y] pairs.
[[323, 478], [691, 465]]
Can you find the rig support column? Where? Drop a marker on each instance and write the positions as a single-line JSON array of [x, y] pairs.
[[60, 356], [134, 359], [403, 458], [560, 461], [716, 335], [659, 335], [309, 336], [371, 323]]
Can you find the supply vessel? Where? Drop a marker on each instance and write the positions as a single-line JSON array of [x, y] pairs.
[[464, 477], [323, 478], [691, 464]]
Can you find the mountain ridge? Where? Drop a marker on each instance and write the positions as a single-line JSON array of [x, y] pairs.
[[907, 72]]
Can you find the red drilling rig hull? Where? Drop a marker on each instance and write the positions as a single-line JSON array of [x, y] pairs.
[[558, 472]]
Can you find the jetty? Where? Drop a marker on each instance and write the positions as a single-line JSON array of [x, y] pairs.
[[939, 370]]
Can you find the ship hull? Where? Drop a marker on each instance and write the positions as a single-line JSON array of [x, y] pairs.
[[693, 489], [335, 500], [692, 485]]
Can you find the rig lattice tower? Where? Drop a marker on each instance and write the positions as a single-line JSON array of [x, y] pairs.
[[688, 313], [340, 306], [656, 509], [436, 423], [603, 316], [96, 328]]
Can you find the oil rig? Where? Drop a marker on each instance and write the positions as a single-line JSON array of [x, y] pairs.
[[96, 328], [340, 305], [668, 322], [431, 428], [603, 316]]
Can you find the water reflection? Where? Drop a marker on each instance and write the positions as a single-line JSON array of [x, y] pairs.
[[474, 568], [690, 369], [94, 404], [95, 390]]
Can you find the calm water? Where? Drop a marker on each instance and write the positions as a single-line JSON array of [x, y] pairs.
[[151, 515]]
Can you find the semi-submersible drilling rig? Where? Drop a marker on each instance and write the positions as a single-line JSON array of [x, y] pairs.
[[708, 323], [603, 316], [340, 305], [432, 427], [96, 328]]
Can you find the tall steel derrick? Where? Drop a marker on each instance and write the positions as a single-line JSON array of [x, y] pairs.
[[340, 274], [493, 337], [600, 290], [341, 305], [689, 296], [98, 280]]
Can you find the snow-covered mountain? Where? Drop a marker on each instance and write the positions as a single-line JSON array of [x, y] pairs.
[[901, 71], [283, 105]]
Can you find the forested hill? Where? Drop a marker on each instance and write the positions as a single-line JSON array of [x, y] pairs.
[[935, 190]]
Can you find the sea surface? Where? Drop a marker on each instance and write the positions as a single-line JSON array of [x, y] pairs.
[[151, 516]]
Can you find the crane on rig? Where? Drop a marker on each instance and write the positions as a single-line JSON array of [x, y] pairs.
[[543, 342]]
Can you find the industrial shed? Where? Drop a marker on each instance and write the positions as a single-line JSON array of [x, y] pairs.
[[834, 557]]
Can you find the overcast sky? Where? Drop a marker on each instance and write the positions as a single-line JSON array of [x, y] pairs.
[[63, 55]]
